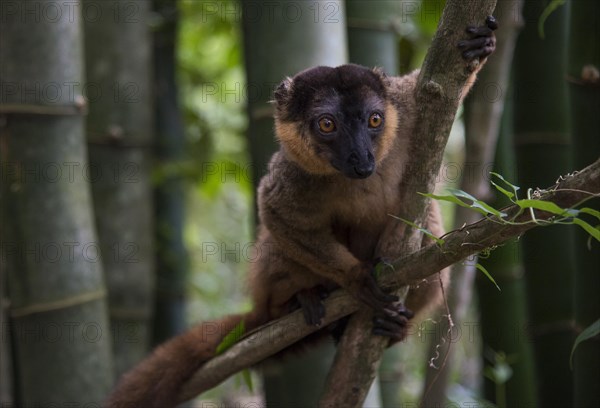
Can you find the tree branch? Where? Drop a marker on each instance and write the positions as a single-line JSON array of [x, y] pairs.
[[458, 245]]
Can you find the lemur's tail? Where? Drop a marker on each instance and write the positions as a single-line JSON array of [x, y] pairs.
[[157, 380]]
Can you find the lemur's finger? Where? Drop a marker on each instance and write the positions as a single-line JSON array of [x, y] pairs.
[[478, 52], [478, 42], [491, 22], [481, 31]]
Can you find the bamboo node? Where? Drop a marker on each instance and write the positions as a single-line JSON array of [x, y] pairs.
[[79, 107], [49, 306]]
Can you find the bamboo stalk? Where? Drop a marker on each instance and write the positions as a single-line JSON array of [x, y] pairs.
[[59, 326]]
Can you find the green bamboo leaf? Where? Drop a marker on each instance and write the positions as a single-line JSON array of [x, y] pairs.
[[247, 376], [454, 200], [460, 193], [503, 191], [486, 207], [507, 193], [449, 198], [232, 337], [547, 206], [425, 231], [514, 187], [486, 273], [590, 331], [477, 204], [593, 231], [590, 211]]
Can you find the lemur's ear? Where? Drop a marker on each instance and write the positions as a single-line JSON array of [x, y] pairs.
[[282, 92]]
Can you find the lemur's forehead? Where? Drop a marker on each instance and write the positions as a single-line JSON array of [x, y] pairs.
[[341, 99], [344, 92]]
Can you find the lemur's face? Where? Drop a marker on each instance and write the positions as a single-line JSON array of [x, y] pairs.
[[338, 116]]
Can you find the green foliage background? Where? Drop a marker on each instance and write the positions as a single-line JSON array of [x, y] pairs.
[[212, 80]]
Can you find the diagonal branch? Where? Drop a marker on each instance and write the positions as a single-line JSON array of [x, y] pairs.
[[458, 245]]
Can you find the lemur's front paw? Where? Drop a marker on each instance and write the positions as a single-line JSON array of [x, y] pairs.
[[363, 285], [393, 322], [482, 40]]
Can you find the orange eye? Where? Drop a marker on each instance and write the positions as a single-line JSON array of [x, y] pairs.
[[375, 120], [326, 125]]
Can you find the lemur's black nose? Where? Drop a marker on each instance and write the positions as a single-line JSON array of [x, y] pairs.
[[362, 168], [365, 171]]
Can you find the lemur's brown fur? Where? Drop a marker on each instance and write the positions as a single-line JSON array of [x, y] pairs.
[[324, 211]]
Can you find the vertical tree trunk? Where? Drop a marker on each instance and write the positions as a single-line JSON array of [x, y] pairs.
[[584, 97], [119, 133], [483, 113], [282, 38], [542, 143], [59, 325], [169, 198], [503, 314]]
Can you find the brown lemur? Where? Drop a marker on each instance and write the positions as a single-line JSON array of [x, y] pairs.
[[324, 213]]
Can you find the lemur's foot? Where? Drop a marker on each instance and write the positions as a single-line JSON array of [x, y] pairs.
[[393, 323], [311, 302], [482, 40]]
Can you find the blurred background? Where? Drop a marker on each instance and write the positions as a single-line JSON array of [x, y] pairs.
[[133, 134]]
